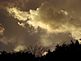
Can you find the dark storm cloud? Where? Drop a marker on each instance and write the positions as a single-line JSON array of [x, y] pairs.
[[22, 4], [52, 12], [13, 33]]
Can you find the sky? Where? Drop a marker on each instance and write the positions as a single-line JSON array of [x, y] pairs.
[[35, 25]]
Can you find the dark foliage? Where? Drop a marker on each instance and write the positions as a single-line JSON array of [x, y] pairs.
[[63, 52]]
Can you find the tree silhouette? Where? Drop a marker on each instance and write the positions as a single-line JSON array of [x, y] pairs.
[[64, 51]]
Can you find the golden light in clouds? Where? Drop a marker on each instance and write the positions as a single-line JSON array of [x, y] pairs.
[[44, 53], [20, 15], [23, 16], [19, 48], [36, 21], [40, 24], [1, 29]]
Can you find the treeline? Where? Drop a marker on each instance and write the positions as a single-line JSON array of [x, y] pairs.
[[71, 51]]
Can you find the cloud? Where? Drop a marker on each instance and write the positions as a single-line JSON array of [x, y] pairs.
[[48, 35], [60, 21], [32, 24], [25, 5]]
